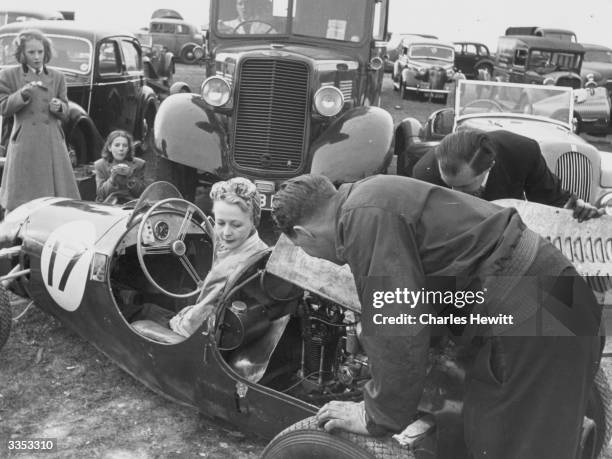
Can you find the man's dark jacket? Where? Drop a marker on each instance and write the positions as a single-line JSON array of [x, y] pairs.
[[519, 168]]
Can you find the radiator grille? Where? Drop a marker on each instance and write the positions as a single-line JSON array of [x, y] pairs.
[[574, 83], [271, 115], [575, 171]]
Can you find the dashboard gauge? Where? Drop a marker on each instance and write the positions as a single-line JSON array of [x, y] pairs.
[[147, 234], [161, 230]]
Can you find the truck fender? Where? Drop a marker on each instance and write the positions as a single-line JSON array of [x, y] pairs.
[[357, 145], [187, 132]]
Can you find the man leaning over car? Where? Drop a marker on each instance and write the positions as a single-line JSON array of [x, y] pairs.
[[498, 165]]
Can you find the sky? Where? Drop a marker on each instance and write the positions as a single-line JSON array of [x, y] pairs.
[[477, 20]]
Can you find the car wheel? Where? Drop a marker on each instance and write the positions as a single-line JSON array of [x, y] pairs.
[[184, 178], [6, 316], [599, 409], [77, 147], [305, 439], [187, 56]]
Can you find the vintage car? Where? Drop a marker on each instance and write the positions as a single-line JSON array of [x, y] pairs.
[[597, 65], [394, 46], [424, 66], [549, 32], [544, 113], [107, 88], [473, 59], [298, 94], [280, 342], [183, 39], [549, 61]]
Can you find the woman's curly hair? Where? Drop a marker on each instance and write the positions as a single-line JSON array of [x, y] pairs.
[[239, 191]]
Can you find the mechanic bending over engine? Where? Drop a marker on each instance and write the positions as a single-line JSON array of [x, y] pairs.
[[525, 393], [497, 165]]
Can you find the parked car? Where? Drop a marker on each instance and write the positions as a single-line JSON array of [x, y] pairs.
[[598, 63], [9, 15], [474, 60], [394, 45], [544, 113], [279, 345], [548, 32], [106, 82], [299, 96], [181, 38], [541, 60], [424, 66]]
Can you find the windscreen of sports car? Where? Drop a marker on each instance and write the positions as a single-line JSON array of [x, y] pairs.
[[492, 98]]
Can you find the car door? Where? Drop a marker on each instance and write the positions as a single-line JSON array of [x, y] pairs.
[[112, 91], [164, 34], [517, 71], [132, 66], [462, 60]]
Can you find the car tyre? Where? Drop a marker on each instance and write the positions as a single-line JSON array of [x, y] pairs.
[[77, 145], [187, 56], [6, 316], [305, 439], [185, 178]]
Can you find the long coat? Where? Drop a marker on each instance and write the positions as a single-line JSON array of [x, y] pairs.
[[37, 162]]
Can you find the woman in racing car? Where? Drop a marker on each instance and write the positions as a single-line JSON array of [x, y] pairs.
[[236, 206], [119, 170]]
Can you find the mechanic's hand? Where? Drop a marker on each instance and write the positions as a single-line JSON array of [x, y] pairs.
[[583, 210], [349, 416], [55, 106]]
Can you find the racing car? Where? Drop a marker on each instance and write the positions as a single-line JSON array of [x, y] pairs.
[[282, 341]]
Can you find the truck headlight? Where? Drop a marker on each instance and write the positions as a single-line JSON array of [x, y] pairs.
[[328, 100], [216, 91]]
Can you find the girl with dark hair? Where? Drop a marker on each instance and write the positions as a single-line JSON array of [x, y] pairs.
[[118, 170], [37, 162]]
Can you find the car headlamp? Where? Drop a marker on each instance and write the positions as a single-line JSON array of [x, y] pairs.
[[450, 73], [328, 100], [216, 91], [606, 203]]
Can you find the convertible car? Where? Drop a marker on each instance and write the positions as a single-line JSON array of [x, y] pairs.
[[280, 343], [543, 113]]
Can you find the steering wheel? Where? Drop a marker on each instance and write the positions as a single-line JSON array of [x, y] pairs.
[[174, 244], [254, 21], [484, 102], [118, 197]]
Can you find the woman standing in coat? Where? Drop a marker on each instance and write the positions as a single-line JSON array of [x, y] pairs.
[[37, 162]]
